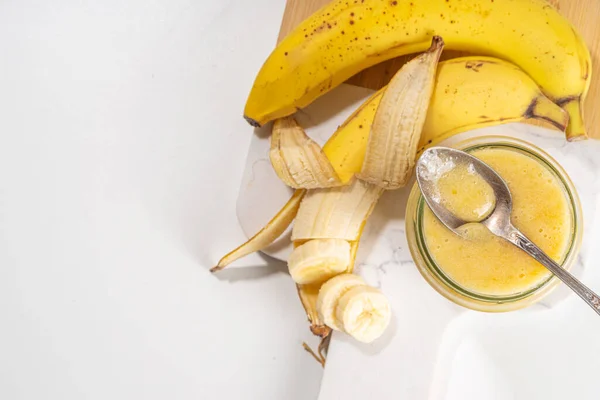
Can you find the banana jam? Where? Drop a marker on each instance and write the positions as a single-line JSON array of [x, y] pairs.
[[466, 194], [481, 262]]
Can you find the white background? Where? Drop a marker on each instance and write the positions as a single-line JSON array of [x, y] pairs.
[[122, 146]]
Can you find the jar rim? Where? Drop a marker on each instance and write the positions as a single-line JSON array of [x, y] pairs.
[[530, 150]]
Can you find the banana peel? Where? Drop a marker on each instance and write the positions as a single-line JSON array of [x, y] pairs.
[[297, 159], [267, 235], [392, 147]]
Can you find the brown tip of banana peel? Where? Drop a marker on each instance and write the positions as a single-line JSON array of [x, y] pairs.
[[252, 122], [217, 268], [436, 43]]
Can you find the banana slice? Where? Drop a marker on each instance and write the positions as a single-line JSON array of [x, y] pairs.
[[330, 294], [319, 260], [298, 160], [364, 313]]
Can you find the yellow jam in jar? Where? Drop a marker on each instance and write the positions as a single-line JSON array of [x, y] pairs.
[[483, 263]]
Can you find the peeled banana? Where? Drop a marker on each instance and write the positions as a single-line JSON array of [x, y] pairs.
[[475, 89], [346, 37], [398, 122], [298, 161], [335, 213], [318, 260]]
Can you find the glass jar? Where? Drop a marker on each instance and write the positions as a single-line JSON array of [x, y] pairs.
[[460, 295]]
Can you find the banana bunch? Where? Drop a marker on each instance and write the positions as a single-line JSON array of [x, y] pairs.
[[346, 37], [467, 93]]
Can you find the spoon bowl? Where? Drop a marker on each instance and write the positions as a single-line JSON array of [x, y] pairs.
[[436, 161]]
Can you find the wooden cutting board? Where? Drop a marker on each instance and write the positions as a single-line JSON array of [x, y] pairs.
[[584, 14]]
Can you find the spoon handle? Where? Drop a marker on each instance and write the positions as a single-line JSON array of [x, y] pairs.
[[521, 241]]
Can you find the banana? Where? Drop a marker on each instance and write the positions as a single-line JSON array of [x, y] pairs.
[[500, 92], [396, 130], [346, 37], [318, 260], [335, 213], [298, 161], [476, 92], [267, 235], [364, 313], [330, 294]]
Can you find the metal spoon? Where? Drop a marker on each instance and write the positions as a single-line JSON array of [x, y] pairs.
[[436, 160]]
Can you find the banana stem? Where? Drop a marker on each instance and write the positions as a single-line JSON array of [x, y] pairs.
[[323, 347]]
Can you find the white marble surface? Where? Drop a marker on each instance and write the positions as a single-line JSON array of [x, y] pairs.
[[435, 349], [122, 147]]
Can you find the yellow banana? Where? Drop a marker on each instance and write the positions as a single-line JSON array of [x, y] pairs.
[[346, 37], [476, 92]]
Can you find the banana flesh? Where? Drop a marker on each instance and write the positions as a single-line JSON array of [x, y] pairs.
[[364, 313], [344, 38], [396, 129], [346, 303], [318, 260], [330, 294], [298, 161], [267, 235], [335, 213]]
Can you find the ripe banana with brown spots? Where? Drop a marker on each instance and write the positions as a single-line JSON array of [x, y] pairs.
[[346, 37]]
